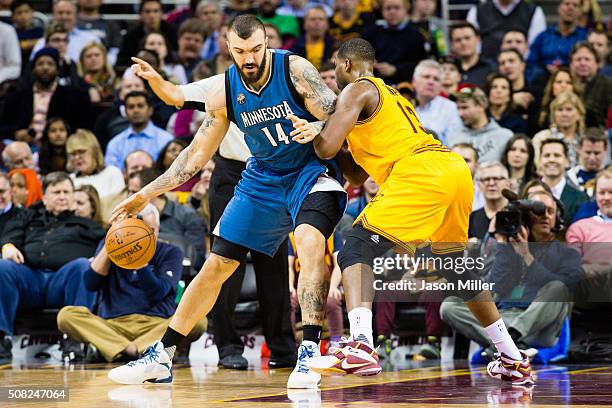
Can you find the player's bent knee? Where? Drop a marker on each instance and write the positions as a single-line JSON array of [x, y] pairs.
[[309, 240]]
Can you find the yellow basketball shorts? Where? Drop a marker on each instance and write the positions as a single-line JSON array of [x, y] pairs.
[[426, 199]]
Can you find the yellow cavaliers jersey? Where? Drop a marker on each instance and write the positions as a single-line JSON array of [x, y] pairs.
[[391, 133]]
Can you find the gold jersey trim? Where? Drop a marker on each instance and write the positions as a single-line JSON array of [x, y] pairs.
[[381, 98]]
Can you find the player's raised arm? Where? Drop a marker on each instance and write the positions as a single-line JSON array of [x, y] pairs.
[[349, 106], [318, 98], [190, 160], [166, 90]]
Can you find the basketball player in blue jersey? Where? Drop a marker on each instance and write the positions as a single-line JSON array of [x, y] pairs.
[[284, 187]]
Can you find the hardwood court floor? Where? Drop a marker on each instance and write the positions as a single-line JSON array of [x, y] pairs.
[[452, 385]]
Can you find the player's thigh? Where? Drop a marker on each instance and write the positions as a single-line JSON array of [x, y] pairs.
[[362, 247]]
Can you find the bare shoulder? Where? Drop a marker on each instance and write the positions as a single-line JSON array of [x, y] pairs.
[[359, 93]]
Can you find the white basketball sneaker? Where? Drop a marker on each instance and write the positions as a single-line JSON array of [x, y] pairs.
[[155, 366], [302, 376]]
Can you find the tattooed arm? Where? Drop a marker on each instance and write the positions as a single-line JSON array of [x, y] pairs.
[[190, 160], [318, 98]]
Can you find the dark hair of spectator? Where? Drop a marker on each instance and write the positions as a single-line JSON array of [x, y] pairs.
[[171, 57], [530, 170], [487, 89], [548, 94], [143, 2], [94, 201], [270, 26], [468, 146], [146, 175], [586, 45], [159, 165], [136, 94], [594, 135], [192, 26], [327, 66], [357, 48], [514, 50], [156, 61], [516, 30], [245, 25], [54, 178], [555, 141], [463, 24], [18, 3], [534, 183], [47, 151]]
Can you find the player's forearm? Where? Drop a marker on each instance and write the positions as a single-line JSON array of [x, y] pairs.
[[326, 148], [168, 92]]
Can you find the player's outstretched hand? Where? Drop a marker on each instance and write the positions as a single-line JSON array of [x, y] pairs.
[[304, 131], [144, 70], [131, 206]]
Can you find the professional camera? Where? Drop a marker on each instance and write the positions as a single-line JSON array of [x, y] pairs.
[[508, 221]]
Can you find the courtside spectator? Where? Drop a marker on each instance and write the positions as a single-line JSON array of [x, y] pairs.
[[26, 188], [87, 204], [501, 105], [174, 71], [56, 36], [600, 41], [512, 65], [52, 156], [450, 76], [519, 159], [435, 112], [40, 264], [593, 149], [315, 44], [473, 68], [141, 135], [492, 178], [191, 37], [560, 81], [516, 39], [477, 129], [211, 14], [18, 155]]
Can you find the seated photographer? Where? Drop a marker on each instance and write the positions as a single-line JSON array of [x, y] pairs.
[[135, 306], [492, 178], [592, 237], [531, 275]]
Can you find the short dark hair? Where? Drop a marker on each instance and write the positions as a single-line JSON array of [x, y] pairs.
[[192, 26], [245, 25], [18, 3], [555, 141], [513, 50], [467, 146], [594, 135], [357, 48], [273, 27], [54, 178], [463, 24], [327, 66], [534, 183], [516, 30], [146, 175], [135, 94], [143, 2], [584, 44]]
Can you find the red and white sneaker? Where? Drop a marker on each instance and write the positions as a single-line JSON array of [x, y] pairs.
[[517, 372], [356, 357]]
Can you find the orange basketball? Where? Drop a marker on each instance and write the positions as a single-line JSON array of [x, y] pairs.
[[130, 243]]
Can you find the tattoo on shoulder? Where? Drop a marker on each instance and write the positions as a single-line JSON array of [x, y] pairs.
[[309, 84]]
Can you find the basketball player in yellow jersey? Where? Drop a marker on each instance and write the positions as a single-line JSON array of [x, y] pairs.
[[425, 199]]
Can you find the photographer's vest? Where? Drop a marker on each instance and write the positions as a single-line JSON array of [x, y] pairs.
[[493, 24]]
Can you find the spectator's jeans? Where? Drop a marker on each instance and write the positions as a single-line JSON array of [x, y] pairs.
[[539, 324], [23, 288], [112, 336]]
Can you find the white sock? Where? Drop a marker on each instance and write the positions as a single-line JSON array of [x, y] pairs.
[[501, 339], [361, 323]]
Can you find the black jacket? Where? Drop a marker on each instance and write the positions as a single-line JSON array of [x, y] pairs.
[[48, 241], [71, 104]]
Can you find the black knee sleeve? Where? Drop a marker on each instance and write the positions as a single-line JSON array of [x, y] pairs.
[[227, 249], [362, 246], [321, 210]]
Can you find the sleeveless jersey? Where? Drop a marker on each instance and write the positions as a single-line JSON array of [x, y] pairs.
[[261, 116], [391, 133]]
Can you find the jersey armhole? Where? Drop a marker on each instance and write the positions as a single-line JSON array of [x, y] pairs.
[[294, 93], [378, 107], [199, 106], [228, 98]]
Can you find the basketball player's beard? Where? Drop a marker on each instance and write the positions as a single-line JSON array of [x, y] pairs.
[[251, 80]]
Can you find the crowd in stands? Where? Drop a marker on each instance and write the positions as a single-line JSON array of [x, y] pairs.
[[524, 98]]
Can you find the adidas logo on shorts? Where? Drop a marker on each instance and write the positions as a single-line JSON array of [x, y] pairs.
[[375, 239]]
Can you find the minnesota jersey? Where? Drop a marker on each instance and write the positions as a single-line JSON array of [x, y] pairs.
[[261, 116], [393, 132]]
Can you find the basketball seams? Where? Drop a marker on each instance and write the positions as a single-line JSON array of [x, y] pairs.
[[135, 230]]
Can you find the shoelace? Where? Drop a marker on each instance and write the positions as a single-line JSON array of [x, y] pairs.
[[305, 353], [149, 356]]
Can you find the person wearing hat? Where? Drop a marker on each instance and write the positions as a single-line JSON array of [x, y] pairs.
[[477, 129], [26, 111]]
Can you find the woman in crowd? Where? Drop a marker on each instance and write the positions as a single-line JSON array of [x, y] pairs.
[[174, 71], [87, 203], [25, 187], [519, 159], [86, 164], [561, 81], [52, 155], [567, 114], [97, 73], [450, 76], [167, 155], [501, 107]]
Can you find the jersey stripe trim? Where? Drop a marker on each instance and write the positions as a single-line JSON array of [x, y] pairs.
[[381, 99]]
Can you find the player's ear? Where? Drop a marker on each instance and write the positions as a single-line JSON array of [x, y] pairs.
[[347, 65]]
